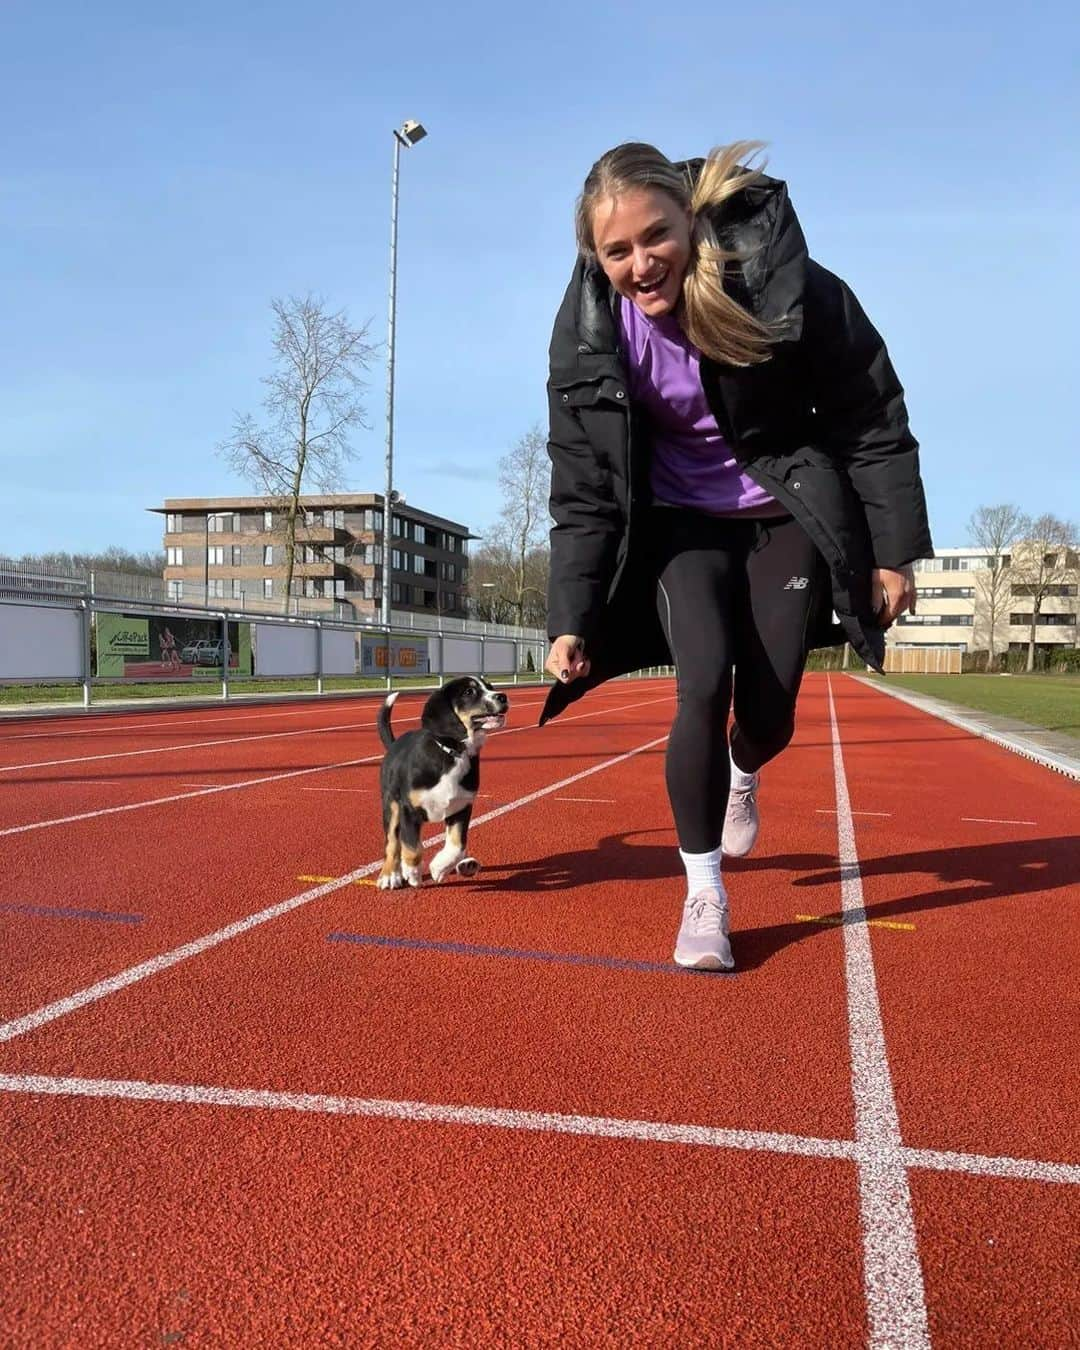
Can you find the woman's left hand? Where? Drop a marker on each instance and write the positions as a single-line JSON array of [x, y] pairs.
[[892, 593]]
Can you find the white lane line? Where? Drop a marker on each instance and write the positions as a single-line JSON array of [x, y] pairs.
[[547, 1122], [823, 811], [277, 777], [542, 1122], [228, 740], [127, 723], [124, 721], [31, 1021], [134, 724], [186, 796], [892, 1274], [983, 820], [197, 745], [240, 740], [976, 1165]]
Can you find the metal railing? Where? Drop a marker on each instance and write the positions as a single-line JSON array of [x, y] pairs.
[[23, 581], [66, 640]]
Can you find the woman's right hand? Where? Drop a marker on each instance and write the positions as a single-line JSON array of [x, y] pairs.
[[567, 660]]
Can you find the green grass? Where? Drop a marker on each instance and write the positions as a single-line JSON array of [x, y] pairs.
[[1048, 701], [18, 695]]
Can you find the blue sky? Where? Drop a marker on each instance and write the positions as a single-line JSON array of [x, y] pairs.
[[166, 170]]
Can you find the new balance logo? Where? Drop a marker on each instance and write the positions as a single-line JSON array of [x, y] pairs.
[[797, 584]]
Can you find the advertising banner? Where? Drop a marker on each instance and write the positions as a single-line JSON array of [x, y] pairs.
[[401, 656], [167, 647]]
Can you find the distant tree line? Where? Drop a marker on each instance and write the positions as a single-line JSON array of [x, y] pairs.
[[150, 563]]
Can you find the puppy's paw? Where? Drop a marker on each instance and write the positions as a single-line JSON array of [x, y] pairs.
[[468, 867], [443, 861], [390, 881], [413, 875]]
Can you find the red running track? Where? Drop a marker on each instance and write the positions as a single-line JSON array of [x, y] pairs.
[[492, 1112]]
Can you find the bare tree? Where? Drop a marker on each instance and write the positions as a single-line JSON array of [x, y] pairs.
[[516, 554], [312, 401], [493, 582], [1046, 562], [994, 528]]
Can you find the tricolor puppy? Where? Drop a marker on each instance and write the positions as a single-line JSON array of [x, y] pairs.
[[434, 774]]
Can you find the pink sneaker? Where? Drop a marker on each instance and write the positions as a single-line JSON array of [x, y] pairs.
[[703, 943], [741, 821]]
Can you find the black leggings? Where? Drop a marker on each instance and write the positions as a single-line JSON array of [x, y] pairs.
[[736, 594]]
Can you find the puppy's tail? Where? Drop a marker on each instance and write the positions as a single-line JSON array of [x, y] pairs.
[[386, 734]]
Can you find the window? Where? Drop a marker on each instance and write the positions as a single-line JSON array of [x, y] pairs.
[[236, 555], [372, 555], [450, 571], [268, 588], [395, 592], [1045, 620], [174, 557], [939, 620], [268, 555], [218, 524], [429, 599], [1048, 590], [237, 589], [174, 523], [215, 555], [946, 592], [268, 520], [175, 590], [215, 589], [396, 526], [399, 560], [419, 564], [372, 519]]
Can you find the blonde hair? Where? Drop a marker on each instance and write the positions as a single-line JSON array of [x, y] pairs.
[[714, 322]]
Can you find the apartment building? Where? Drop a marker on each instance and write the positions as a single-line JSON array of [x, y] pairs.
[[955, 603], [232, 549]]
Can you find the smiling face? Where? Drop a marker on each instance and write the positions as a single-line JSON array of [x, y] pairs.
[[642, 241]]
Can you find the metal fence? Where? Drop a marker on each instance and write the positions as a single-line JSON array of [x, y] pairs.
[[22, 581], [87, 641]]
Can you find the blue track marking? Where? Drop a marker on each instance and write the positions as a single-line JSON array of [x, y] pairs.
[[52, 912]]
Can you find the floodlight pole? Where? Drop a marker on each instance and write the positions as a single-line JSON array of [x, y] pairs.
[[406, 136]]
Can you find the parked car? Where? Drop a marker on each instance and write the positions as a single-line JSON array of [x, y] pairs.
[[190, 654], [209, 653]]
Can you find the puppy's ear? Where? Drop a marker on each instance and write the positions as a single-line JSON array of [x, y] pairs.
[[440, 717]]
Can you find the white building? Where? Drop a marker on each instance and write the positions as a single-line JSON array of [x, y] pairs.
[[956, 597]]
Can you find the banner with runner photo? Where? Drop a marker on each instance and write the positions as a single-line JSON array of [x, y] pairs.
[[166, 647]]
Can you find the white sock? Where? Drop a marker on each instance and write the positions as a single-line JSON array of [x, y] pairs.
[[740, 780], [702, 871]]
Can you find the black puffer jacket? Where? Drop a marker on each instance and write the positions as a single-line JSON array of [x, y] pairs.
[[821, 426]]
